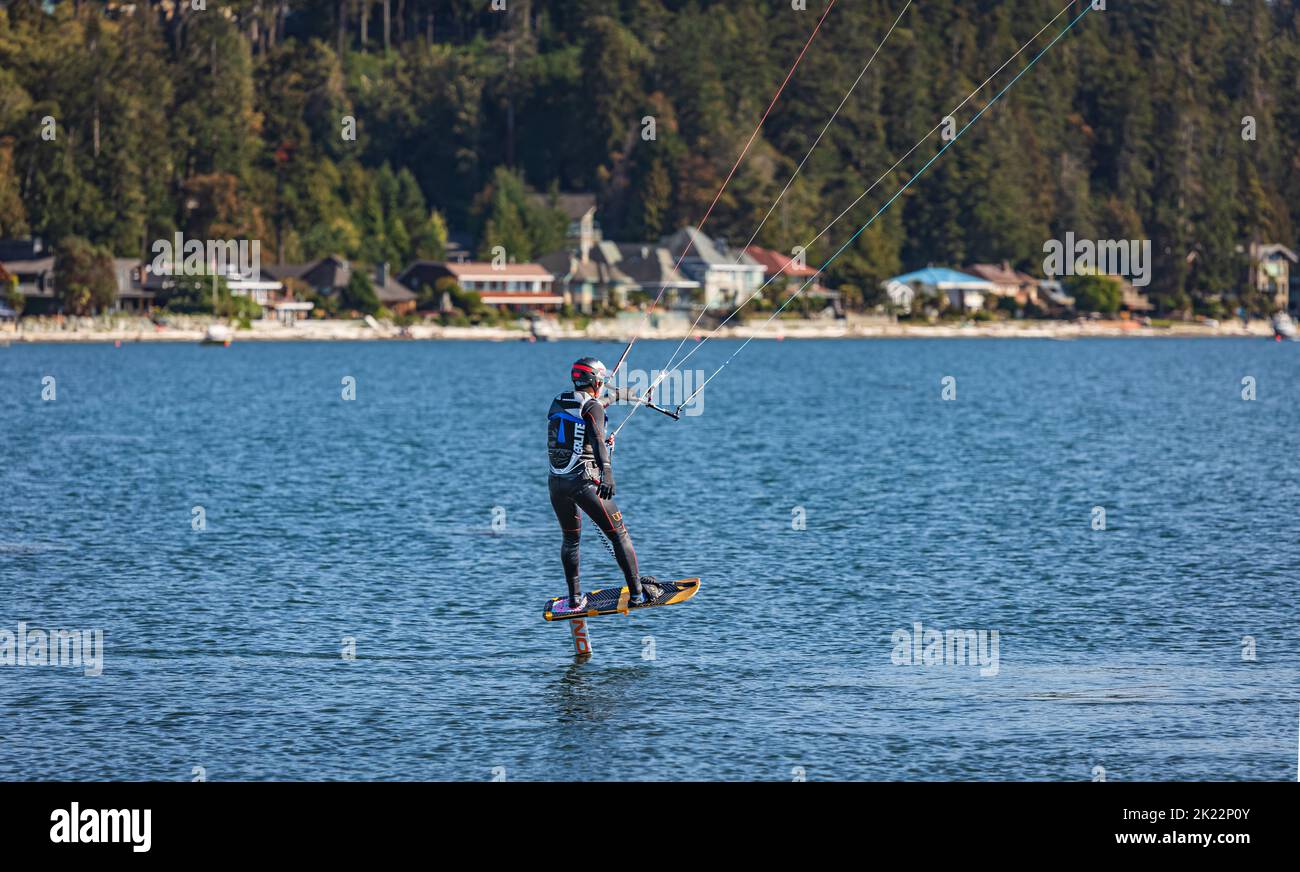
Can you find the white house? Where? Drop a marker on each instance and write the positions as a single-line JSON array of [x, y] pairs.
[[964, 292], [728, 278]]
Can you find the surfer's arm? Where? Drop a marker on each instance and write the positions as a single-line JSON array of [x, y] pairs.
[[595, 415]]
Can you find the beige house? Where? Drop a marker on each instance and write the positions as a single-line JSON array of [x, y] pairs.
[[1270, 272], [519, 287], [1007, 282]]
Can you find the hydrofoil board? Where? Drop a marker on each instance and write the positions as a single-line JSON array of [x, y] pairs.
[[613, 601]]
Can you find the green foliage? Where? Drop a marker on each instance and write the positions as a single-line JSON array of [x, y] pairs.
[[83, 276], [513, 220], [231, 125], [194, 294], [1094, 293], [14, 297], [359, 295]]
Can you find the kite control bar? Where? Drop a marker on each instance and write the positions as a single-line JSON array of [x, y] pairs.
[[625, 394], [669, 412]]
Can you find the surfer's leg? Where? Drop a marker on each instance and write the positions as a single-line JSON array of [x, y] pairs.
[[566, 512], [610, 521]]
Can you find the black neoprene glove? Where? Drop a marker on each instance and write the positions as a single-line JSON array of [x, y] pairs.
[[606, 487]]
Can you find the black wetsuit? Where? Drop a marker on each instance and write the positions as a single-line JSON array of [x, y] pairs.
[[580, 465]]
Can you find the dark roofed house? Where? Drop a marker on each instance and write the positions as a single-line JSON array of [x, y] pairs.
[[324, 276], [28, 248], [329, 275], [727, 278], [36, 284], [392, 294], [653, 268], [132, 295], [582, 282], [608, 272]]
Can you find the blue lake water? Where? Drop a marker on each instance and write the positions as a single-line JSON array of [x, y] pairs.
[[372, 520]]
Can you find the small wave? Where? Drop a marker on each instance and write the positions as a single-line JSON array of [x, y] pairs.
[[31, 547]]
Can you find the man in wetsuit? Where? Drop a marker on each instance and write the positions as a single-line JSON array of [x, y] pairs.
[[582, 480]]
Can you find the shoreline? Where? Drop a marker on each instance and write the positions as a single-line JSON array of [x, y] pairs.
[[141, 331]]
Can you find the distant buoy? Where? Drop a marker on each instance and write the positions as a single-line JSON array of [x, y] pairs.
[[117, 343]]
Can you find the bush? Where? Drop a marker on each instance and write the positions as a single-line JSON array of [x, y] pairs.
[[15, 298], [1095, 293], [196, 294]]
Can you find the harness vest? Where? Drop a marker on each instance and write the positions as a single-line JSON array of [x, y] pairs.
[[566, 434]]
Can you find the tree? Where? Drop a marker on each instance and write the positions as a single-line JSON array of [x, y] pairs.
[[84, 277], [1094, 293], [13, 214], [359, 294], [516, 222], [13, 296]]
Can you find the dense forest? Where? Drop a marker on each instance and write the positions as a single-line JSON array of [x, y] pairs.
[[369, 129]]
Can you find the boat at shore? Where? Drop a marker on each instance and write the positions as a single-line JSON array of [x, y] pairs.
[[218, 334], [1284, 327]]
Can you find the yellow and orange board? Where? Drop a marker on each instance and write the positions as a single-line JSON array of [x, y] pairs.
[[613, 601]]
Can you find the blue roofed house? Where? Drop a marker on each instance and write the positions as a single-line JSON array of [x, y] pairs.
[[962, 290]]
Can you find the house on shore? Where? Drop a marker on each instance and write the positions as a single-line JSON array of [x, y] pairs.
[[323, 277], [1271, 274], [1132, 300], [327, 277], [727, 278], [393, 295], [36, 284], [132, 295], [517, 287], [579, 208], [600, 273], [960, 290], [1053, 299], [654, 270], [30, 265], [1008, 283], [784, 273], [151, 287]]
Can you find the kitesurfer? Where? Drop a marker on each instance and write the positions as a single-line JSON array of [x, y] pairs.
[[582, 480]]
